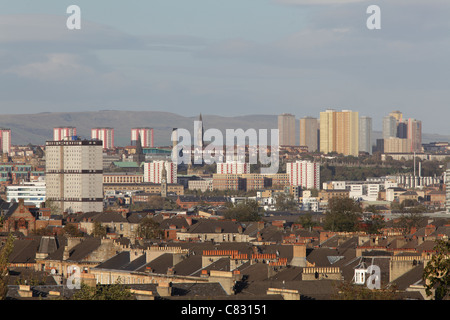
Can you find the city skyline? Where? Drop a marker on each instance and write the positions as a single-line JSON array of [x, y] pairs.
[[232, 58]]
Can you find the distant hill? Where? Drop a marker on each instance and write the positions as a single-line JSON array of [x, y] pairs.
[[38, 128]]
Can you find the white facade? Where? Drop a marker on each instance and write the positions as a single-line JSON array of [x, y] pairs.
[[30, 192], [104, 134], [146, 135], [153, 171], [304, 173], [364, 191], [233, 167], [64, 133], [74, 175], [5, 140]]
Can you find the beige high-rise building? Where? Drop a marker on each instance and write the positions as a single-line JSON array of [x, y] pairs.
[[286, 127], [397, 115], [414, 134], [74, 175], [339, 132], [396, 145], [309, 133]]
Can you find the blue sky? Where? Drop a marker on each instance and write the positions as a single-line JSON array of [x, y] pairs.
[[233, 57]]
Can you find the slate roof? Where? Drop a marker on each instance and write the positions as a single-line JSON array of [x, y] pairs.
[[48, 245], [20, 274], [287, 274], [209, 226], [309, 290], [24, 251], [200, 290], [109, 217], [222, 264], [188, 266], [409, 278], [78, 252], [178, 222], [255, 272], [160, 264]]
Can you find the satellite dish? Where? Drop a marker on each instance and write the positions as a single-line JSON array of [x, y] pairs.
[[53, 271]]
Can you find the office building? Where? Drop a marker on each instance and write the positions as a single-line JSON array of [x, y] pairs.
[[64, 133], [305, 174], [365, 134], [309, 133], [74, 174], [5, 140], [339, 132], [402, 130], [415, 135], [286, 129], [104, 134], [396, 145], [32, 193], [389, 127], [153, 172], [146, 134]]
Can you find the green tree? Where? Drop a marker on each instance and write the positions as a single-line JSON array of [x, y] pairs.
[[149, 229], [5, 253], [343, 214], [116, 291], [285, 202], [306, 221], [245, 211], [99, 230], [436, 273], [72, 231], [408, 221], [374, 223]]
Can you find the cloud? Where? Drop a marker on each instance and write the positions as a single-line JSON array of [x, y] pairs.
[[57, 66]]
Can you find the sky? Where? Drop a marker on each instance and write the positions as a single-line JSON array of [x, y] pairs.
[[228, 57]]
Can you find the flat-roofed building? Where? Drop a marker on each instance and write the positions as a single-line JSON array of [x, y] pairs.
[[74, 174]]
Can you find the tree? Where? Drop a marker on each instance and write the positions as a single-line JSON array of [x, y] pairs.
[[375, 223], [53, 206], [342, 215], [115, 291], [285, 202], [5, 253], [99, 230], [155, 202], [245, 211], [436, 273], [409, 221], [306, 221], [72, 231], [149, 229]]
